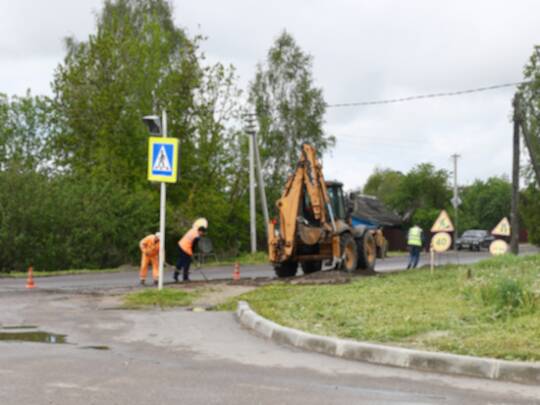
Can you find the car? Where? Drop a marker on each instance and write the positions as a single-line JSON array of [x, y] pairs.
[[474, 239]]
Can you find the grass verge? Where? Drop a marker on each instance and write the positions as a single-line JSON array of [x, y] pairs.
[[244, 258], [166, 298], [488, 309]]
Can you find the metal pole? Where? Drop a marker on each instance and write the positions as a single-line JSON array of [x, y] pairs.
[[163, 199], [514, 219], [262, 188], [253, 231], [455, 200]]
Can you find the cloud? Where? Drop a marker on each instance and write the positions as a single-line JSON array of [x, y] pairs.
[[362, 50]]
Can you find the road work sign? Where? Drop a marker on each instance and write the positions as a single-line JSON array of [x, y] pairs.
[[443, 223], [441, 242], [162, 159], [502, 229]]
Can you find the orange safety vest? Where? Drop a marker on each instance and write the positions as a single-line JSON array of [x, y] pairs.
[[150, 245], [186, 243]]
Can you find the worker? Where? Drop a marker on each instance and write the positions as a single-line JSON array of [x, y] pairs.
[[186, 246], [150, 255], [414, 240]]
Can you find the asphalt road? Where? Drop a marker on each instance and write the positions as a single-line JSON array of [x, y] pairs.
[[181, 357], [129, 279]]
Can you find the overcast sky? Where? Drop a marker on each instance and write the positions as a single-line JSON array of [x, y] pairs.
[[363, 50]]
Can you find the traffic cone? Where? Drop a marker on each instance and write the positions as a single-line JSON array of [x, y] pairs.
[[236, 272], [30, 279]]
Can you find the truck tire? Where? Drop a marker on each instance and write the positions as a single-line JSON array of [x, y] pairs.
[[382, 251], [286, 269], [350, 253], [311, 267], [367, 252]]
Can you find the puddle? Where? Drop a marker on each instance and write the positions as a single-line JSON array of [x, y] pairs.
[[37, 336], [96, 347], [19, 327]]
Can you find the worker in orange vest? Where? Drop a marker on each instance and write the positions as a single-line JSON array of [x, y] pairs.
[[150, 255], [186, 245]]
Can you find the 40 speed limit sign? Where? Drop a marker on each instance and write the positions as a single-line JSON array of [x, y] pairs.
[[441, 242]]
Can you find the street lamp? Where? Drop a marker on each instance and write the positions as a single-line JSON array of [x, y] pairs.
[[158, 127]]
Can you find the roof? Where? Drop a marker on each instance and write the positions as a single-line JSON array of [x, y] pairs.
[[370, 209]]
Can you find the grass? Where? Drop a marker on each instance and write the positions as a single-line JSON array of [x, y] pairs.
[[488, 309], [244, 258], [166, 298], [52, 273]]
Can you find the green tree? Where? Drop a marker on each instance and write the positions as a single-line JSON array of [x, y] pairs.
[[136, 63], [383, 184], [530, 212], [289, 107], [25, 125], [485, 203], [530, 111]]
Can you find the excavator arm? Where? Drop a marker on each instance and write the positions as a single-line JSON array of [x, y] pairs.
[[307, 178]]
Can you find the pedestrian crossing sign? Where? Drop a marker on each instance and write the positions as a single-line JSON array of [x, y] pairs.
[[162, 159]]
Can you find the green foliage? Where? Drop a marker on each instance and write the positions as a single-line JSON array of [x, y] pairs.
[[70, 222], [290, 110], [530, 212], [383, 184], [485, 203]]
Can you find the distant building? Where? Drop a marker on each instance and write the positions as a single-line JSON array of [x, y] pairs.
[[370, 212]]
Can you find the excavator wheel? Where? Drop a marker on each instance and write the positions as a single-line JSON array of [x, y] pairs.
[[350, 253], [286, 269], [367, 252], [311, 267]]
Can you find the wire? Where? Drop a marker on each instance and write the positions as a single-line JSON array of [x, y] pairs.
[[424, 96]]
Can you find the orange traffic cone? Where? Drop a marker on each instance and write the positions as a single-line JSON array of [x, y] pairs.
[[236, 272], [30, 279]]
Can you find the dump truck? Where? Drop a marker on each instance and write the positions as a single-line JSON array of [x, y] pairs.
[[313, 227]]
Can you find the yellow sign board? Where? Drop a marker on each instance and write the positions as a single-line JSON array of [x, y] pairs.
[[443, 223], [498, 247], [441, 242], [162, 159], [502, 229]]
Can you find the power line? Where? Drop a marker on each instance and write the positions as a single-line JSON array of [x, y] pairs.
[[424, 96]]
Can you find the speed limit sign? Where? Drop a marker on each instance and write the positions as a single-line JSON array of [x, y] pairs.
[[441, 242]]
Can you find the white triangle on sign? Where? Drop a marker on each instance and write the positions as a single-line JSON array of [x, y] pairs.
[[502, 228], [443, 223], [162, 164]]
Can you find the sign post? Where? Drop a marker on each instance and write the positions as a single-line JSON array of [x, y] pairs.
[[441, 241], [162, 167]]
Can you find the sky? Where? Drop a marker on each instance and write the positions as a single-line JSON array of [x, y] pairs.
[[362, 50]]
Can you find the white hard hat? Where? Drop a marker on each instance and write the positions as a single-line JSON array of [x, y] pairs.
[[200, 222], [158, 234]]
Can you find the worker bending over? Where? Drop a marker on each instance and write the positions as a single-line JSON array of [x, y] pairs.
[[186, 246], [150, 255]]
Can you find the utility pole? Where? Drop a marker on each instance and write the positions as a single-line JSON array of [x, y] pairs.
[[252, 218], [514, 219], [455, 200], [262, 188]]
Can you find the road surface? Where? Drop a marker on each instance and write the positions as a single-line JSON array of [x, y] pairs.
[[129, 279], [181, 357]]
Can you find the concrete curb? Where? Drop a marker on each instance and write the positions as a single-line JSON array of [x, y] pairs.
[[494, 369]]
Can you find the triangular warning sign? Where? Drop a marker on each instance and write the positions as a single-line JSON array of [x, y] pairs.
[[502, 229], [443, 223], [162, 164]]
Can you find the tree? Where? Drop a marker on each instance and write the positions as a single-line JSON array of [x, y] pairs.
[[383, 184], [138, 62], [485, 203], [530, 110], [289, 108], [25, 125]]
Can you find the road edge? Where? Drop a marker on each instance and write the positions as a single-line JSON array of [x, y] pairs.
[[521, 372]]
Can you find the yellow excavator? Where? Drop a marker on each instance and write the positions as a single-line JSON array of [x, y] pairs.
[[314, 227]]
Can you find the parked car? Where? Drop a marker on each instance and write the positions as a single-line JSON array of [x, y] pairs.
[[474, 239]]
